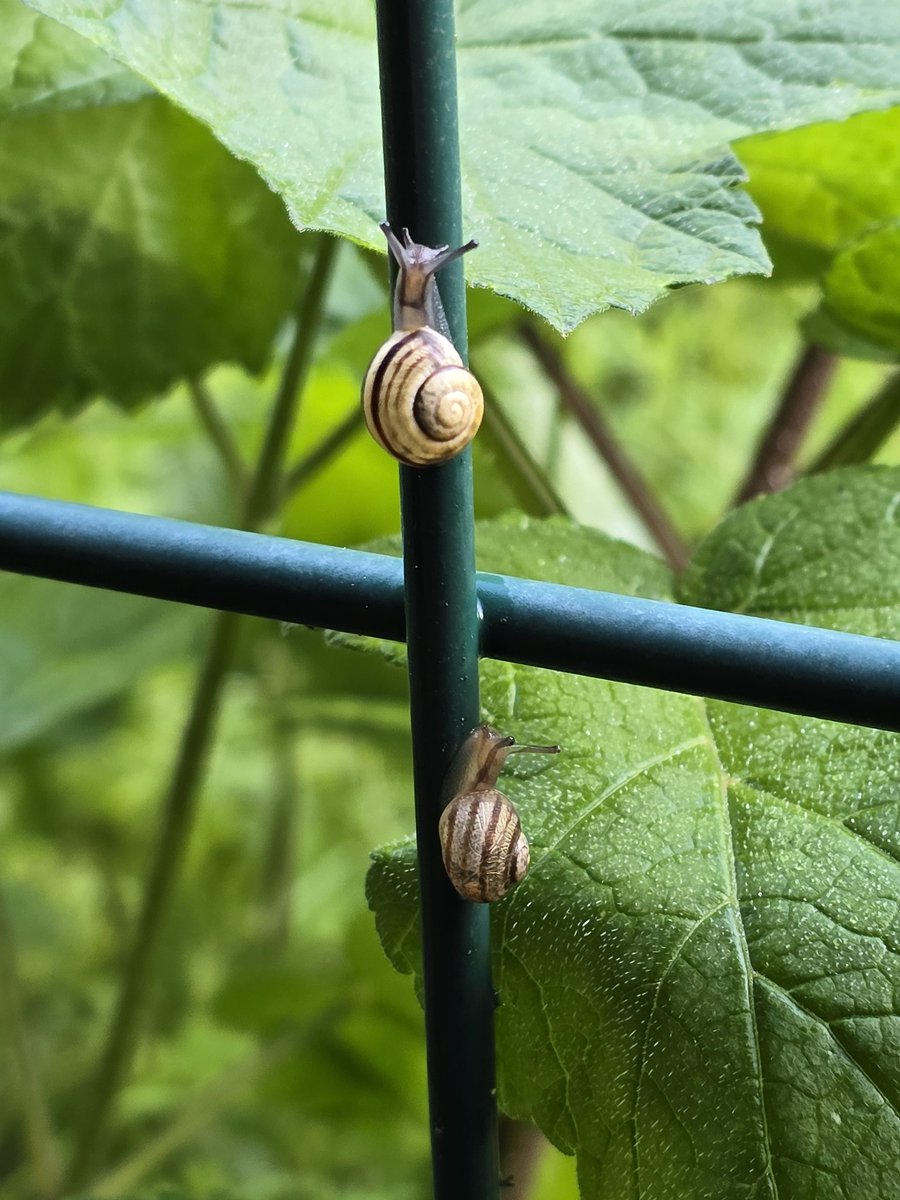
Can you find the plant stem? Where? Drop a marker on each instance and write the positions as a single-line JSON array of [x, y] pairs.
[[177, 819], [220, 436], [303, 470], [180, 802], [623, 470], [528, 479], [42, 1148], [265, 490], [774, 465], [865, 433]]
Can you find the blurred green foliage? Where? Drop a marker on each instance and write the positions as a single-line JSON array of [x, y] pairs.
[[279, 1054]]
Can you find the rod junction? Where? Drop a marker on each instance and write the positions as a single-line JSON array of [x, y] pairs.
[[726, 656]]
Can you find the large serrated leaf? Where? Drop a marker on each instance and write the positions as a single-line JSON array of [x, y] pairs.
[[698, 979], [134, 251], [596, 168], [43, 64]]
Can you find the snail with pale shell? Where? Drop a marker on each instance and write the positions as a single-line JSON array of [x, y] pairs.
[[484, 849], [419, 401]]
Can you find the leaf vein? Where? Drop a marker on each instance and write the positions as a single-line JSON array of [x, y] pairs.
[[838, 1042], [617, 786]]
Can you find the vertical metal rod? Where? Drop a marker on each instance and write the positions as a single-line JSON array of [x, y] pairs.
[[417, 54]]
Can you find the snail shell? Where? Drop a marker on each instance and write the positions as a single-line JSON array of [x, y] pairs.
[[484, 849], [419, 401]]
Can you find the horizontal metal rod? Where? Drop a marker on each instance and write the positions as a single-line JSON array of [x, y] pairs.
[[750, 660]]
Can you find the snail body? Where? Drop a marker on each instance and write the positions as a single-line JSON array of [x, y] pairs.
[[419, 401], [484, 849]]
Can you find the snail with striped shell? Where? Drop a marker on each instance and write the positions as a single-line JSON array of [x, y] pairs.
[[419, 401], [484, 849]]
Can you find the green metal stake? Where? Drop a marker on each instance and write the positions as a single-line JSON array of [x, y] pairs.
[[417, 54]]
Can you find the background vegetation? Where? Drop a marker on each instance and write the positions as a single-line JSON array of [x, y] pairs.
[[169, 343]]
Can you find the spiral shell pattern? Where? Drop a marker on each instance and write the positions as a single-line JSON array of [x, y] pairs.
[[484, 849], [419, 401]]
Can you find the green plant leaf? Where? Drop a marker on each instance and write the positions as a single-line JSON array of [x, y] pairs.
[[825, 553], [698, 977], [825, 185], [834, 334], [43, 64], [134, 251], [596, 168], [860, 303]]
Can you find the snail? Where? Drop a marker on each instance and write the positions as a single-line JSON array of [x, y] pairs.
[[419, 401], [484, 849]]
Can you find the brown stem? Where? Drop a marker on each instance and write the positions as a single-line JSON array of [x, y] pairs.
[[775, 463], [521, 1149], [624, 471]]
